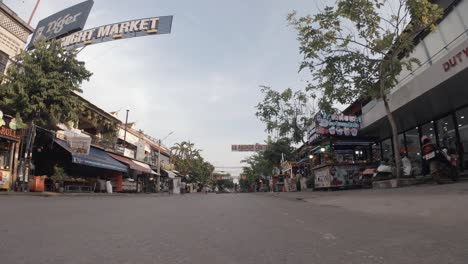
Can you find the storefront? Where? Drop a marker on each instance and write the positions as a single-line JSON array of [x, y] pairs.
[[450, 131], [9, 143], [85, 172], [141, 177], [432, 100], [339, 155]]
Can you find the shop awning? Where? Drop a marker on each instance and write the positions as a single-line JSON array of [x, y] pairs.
[[96, 158], [146, 166], [132, 164], [171, 174]]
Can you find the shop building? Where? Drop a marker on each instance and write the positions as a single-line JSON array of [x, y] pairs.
[[431, 100], [9, 144], [14, 33]]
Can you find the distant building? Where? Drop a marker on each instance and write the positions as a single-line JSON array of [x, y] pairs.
[[135, 144], [14, 33]]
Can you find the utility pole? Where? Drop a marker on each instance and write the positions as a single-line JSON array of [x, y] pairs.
[[158, 178], [125, 131], [33, 12]]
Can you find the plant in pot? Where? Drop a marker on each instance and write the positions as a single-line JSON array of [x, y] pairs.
[[58, 177]]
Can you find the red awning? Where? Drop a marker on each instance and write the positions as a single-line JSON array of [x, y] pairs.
[[134, 165]]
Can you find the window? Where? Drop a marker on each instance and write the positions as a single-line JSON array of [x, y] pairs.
[[5, 148], [462, 122], [387, 152], [446, 133], [413, 147], [3, 61], [401, 139], [428, 130], [376, 154]]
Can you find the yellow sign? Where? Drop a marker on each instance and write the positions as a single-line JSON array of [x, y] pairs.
[[5, 179]]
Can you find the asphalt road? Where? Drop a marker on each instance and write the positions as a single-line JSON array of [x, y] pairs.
[[216, 228]]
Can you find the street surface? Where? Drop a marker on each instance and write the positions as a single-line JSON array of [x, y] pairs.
[[422, 225]]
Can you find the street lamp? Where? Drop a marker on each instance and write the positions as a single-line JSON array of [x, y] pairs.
[[311, 156]]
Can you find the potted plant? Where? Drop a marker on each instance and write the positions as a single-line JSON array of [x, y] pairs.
[[58, 177]]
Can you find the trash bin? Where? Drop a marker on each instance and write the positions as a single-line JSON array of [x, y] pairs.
[[36, 184]]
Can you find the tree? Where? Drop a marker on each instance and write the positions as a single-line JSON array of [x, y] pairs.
[[286, 113], [40, 85], [357, 49], [262, 163], [188, 161]]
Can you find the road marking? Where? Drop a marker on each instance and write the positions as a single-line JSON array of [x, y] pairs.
[[328, 236]]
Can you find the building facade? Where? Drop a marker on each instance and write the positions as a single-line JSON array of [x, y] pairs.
[[431, 100], [14, 33]]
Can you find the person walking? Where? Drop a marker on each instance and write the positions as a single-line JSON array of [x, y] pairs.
[[170, 190], [108, 185], [182, 188]]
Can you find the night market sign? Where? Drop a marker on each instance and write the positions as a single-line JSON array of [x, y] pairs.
[[121, 30], [337, 124]]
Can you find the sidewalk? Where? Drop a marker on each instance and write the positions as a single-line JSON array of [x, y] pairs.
[[442, 203], [56, 194]]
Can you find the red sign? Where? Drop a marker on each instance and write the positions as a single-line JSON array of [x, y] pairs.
[[247, 148], [458, 58], [7, 132]]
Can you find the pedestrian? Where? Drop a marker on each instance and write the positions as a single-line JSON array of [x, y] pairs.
[[108, 185], [171, 187], [182, 188]]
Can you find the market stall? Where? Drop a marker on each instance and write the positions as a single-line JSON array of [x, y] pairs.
[[9, 140], [339, 155]]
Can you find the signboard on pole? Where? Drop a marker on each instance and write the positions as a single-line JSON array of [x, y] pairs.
[[121, 30], [249, 148], [62, 23]]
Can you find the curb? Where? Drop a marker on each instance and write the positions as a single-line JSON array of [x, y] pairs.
[[54, 194]]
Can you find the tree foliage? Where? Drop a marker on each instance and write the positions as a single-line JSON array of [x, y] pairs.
[[262, 163], [41, 84], [357, 48], [286, 113], [189, 162]]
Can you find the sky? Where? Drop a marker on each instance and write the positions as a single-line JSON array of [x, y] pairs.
[[202, 80]]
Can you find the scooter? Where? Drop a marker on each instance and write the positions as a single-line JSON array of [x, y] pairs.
[[441, 165]]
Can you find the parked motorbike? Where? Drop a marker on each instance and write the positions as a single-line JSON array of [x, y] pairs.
[[442, 167]]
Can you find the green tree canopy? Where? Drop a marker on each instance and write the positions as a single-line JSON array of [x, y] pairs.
[[286, 113], [188, 161], [357, 49], [40, 85], [263, 163]]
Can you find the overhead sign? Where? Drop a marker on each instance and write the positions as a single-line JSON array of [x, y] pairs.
[[62, 23], [340, 125], [249, 148], [121, 30]]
